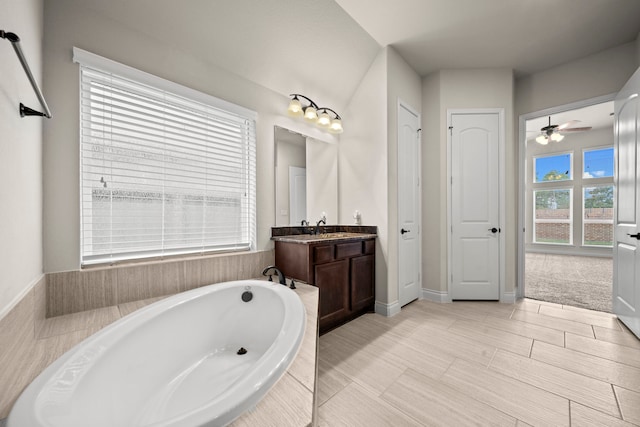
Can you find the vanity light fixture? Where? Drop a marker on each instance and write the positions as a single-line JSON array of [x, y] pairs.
[[314, 114]]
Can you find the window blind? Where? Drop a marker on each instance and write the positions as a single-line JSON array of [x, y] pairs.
[[161, 174]]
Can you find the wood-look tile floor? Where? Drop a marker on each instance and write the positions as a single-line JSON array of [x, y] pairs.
[[480, 363]]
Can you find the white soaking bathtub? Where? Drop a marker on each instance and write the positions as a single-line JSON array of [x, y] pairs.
[[199, 358]]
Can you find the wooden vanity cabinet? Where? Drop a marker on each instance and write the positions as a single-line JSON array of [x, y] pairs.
[[344, 272]]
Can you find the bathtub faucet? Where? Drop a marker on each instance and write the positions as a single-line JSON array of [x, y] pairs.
[[275, 269], [281, 278]]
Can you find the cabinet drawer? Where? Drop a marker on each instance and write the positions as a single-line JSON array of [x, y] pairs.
[[345, 250], [322, 253], [369, 246]]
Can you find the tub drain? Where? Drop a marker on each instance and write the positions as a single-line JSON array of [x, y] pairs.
[[242, 351]]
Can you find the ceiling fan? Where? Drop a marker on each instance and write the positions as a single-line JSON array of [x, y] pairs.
[[555, 132]]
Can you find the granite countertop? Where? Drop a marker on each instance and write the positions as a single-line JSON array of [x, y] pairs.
[[323, 237]]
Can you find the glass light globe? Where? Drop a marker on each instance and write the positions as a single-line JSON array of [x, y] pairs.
[[324, 120], [336, 126], [295, 108], [542, 140], [310, 114]]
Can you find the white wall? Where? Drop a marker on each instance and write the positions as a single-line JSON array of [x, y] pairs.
[[362, 162], [20, 155], [66, 25], [456, 89]]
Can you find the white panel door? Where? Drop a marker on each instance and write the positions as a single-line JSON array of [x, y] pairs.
[[626, 249], [475, 206], [408, 206]]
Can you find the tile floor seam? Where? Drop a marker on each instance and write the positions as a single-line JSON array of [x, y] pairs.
[[615, 395]]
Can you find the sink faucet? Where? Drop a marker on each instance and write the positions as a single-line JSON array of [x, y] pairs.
[[275, 269], [317, 231], [304, 222]]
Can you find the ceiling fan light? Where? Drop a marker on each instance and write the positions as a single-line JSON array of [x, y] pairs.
[[336, 126], [310, 114], [542, 139], [324, 120], [556, 137], [295, 107]]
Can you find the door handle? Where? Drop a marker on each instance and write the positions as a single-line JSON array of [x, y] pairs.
[[637, 235], [402, 231], [494, 230]]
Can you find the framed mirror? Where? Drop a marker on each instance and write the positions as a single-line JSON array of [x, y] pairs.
[[306, 179]]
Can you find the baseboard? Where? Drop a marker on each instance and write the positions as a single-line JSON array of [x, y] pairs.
[[387, 310], [435, 296], [508, 297], [16, 300]]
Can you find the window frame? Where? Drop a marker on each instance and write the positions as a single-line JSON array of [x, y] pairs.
[[554, 221], [586, 221], [571, 164], [600, 148], [104, 65]]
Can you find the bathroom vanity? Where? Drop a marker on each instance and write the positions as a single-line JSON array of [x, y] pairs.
[[341, 264]]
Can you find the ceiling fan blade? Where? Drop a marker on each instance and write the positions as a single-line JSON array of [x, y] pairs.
[[568, 124], [582, 129]]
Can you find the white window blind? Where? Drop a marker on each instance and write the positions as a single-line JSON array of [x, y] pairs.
[[161, 174]]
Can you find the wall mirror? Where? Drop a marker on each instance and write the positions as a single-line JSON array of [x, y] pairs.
[[306, 179]]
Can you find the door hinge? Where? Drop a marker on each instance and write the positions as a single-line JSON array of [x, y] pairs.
[[451, 130]]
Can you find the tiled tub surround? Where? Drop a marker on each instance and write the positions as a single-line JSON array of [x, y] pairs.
[[29, 342], [75, 291]]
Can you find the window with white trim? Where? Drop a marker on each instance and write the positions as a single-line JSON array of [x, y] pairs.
[[553, 216], [165, 170]]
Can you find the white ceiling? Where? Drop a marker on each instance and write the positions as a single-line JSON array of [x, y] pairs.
[[323, 48], [524, 35]]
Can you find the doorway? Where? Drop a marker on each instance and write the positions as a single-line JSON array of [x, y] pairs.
[[566, 204]]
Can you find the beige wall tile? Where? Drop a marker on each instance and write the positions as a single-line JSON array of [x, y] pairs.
[[412, 393], [129, 307], [629, 404], [73, 322], [149, 281], [17, 328], [75, 291]]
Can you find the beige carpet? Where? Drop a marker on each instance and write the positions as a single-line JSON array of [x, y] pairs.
[[570, 280]]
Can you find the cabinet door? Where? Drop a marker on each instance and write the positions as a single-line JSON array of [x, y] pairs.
[[362, 282], [332, 279]]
